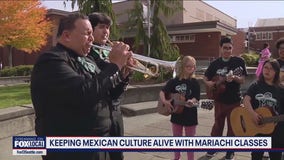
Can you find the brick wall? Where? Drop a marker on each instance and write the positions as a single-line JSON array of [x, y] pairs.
[[239, 45], [206, 45]]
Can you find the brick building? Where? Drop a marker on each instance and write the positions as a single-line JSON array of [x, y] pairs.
[[266, 30], [196, 30]]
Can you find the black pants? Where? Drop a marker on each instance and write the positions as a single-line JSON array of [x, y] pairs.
[[277, 142], [272, 155], [117, 131]]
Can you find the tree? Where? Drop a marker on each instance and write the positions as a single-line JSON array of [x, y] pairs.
[[136, 22], [104, 6], [160, 41], [24, 26], [161, 46]]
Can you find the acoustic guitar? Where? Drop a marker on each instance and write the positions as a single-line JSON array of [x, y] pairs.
[[220, 83], [243, 125], [218, 88], [179, 103]]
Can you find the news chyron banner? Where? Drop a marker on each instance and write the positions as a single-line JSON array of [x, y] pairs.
[[32, 145]]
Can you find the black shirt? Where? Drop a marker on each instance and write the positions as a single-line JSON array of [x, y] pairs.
[[263, 94], [232, 93], [191, 89]]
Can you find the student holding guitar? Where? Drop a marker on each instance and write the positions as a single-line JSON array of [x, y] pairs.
[[185, 88], [223, 78], [264, 93]]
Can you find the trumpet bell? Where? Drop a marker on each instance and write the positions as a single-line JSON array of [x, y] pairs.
[[138, 66]]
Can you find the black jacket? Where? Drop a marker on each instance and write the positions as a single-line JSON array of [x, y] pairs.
[[68, 100]]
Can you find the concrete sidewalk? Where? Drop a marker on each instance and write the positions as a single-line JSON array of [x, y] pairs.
[[151, 124]]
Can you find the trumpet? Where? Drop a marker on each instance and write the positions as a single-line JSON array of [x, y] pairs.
[[138, 66]]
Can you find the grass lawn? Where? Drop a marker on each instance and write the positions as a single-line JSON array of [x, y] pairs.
[[15, 95]]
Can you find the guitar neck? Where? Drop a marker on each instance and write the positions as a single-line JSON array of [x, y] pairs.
[[272, 119], [209, 104], [181, 103]]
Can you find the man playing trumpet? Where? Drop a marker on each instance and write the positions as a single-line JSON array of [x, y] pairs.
[[70, 93], [101, 30]]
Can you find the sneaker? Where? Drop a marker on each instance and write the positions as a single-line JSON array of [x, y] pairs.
[[211, 154], [229, 156], [265, 155]]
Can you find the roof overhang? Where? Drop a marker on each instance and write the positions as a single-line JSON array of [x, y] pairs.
[[196, 27], [202, 27]]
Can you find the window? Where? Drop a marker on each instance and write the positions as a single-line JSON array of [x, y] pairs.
[[264, 36], [182, 38], [258, 36], [269, 36]]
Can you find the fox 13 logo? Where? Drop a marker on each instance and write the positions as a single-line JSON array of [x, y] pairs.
[[29, 145]]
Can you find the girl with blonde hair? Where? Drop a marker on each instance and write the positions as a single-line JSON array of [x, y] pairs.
[[187, 87]]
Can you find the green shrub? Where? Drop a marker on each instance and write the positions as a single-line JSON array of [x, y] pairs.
[[137, 77], [21, 70], [251, 59], [165, 75]]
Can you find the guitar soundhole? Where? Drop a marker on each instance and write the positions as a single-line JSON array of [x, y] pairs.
[[243, 124]]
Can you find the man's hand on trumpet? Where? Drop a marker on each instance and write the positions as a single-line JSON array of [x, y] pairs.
[[126, 71], [120, 54]]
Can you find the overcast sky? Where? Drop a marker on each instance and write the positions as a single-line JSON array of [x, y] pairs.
[[246, 12]]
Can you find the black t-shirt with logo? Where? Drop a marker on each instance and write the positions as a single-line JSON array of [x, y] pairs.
[[190, 88], [219, 67], [263, 94]]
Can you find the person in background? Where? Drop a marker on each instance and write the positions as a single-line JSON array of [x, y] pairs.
[[68, 89], [101, 24], [265, 55], [279, 129], [232, 72], [278, 142], [264, 93], [1, 65], [186, 86], [280, 48]]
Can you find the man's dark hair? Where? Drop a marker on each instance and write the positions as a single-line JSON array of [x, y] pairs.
[[96, 18], [68, 22], [225, 40], [279, 42]]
